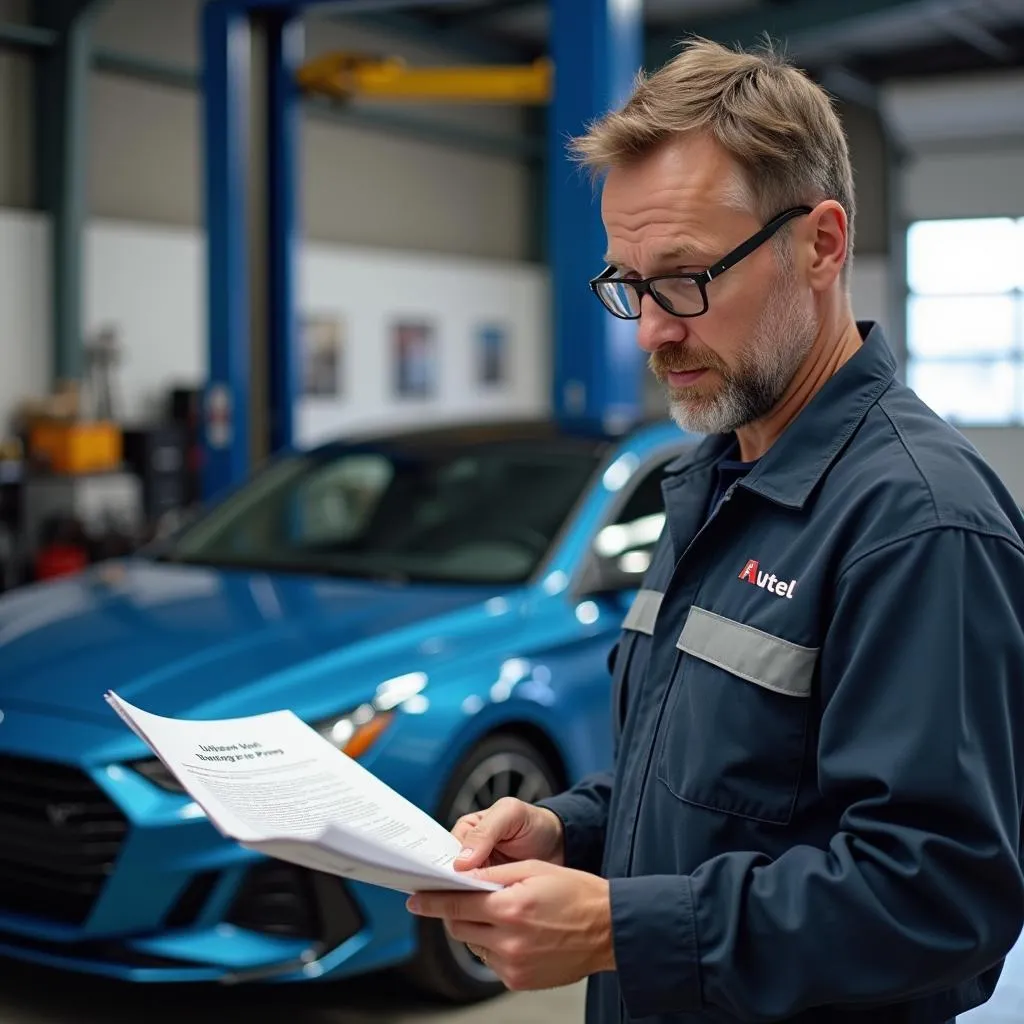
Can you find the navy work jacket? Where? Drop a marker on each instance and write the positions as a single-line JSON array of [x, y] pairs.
[[815, 809]]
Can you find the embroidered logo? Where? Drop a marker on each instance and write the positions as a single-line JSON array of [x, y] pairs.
[[780, 588]]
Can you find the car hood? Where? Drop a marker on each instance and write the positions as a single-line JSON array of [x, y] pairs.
[[174, 638]]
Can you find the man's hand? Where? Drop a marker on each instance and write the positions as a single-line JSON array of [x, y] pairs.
[[509, 831], [550, 926]]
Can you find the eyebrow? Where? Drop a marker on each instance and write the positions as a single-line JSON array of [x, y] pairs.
[[698, 252]]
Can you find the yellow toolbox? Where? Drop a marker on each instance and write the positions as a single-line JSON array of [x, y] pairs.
[[76, 446]]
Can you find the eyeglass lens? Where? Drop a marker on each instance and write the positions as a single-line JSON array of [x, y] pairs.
[[679, 295]]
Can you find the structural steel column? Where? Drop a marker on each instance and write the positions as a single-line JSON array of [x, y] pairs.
[[226, 75], [285, 52], [596, 46], [61, 162], [252, 52]]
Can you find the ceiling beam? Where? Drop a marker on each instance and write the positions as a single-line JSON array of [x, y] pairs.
[[948, 57], [469, 43], [970, 32], [487, 12], [797, 23]]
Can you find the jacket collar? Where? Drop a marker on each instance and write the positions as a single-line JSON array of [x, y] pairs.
[[791, 469]]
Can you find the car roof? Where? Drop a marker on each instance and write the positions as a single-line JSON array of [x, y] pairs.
[[546, 431]]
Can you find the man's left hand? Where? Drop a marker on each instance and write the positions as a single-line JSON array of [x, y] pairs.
[[551, 926]]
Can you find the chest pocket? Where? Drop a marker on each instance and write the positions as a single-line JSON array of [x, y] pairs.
[[735, 724]]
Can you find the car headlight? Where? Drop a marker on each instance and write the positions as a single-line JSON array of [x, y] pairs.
[[353, 733], [356, 731]]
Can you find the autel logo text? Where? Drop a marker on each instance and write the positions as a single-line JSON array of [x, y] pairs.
[[752, 574]]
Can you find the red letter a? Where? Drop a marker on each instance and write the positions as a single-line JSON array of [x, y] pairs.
[[750, 571]]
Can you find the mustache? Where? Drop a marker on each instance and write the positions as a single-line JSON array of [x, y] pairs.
[[682, 359]]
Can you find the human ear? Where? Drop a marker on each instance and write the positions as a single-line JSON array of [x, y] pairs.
[[828, 229]]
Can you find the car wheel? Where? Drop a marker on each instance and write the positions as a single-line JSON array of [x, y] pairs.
[[502, 765]]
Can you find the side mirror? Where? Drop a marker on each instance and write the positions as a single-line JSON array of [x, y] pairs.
[[603, 575]]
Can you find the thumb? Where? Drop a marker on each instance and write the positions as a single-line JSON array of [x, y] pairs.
[[495, 824], [477, 845], [517, 871]]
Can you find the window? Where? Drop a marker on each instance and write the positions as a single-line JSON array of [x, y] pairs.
[[631, 537], [965, 318]]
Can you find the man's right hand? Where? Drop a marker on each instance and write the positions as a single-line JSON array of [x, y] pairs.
[[510, 830]]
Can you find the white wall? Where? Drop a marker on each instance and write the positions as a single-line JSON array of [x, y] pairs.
[[984, 181], [148, 282], [868, 289], [370, 291], [1003, 449], [965, 140]]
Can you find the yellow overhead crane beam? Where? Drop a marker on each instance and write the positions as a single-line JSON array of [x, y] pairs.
[[355, 76]]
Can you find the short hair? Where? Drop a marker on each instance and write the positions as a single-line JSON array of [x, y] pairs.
[[774, 121]]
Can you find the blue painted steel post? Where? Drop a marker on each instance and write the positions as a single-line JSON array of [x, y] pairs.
[[597, 47], [61, 165], [225, 96], [285, 54]]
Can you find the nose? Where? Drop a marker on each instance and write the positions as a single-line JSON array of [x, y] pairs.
[[657, 327]]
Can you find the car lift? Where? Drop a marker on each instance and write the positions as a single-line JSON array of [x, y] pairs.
[[254, 74]]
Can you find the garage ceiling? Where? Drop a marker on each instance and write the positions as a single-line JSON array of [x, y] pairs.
[[876, 41]]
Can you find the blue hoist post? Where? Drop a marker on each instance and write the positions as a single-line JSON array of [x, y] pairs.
[[226, 61], [252, 51], [597, 48]]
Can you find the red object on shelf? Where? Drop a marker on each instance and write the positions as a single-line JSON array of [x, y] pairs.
[[60, 560]]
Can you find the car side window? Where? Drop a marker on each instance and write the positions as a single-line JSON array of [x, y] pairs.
[[631, 536]]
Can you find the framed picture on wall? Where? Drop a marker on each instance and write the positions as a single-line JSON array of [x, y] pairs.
[[414, 344], [322, 347], [492, 354]]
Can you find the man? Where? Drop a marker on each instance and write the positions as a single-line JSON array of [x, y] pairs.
[[815, 809]]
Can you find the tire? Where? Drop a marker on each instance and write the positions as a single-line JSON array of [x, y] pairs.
[[444, 968]]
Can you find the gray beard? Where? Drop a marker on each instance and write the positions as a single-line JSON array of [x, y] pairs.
[[781, 340]]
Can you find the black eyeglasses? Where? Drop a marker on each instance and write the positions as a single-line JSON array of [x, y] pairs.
[[679, 294]]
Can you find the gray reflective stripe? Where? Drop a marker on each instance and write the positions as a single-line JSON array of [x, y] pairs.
[[749, 653], [643, 613]]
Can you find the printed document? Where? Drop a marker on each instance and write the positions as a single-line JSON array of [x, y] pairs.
[[275, 785]]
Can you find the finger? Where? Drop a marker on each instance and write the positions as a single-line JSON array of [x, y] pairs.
[[516, 871], [483, 936], [465, 825], [500, 822], [451, 906]]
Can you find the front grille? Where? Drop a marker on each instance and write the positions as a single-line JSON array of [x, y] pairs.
[[59, 838], [191, 903], [287, 901]]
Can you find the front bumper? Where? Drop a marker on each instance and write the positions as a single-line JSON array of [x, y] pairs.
[[102, 872]]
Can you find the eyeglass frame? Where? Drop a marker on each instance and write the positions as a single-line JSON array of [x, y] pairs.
[[705, 277]]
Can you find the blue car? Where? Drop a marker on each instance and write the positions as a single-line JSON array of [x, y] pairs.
[[439, 604]]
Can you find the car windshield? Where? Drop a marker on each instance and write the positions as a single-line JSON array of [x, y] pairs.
[[458, 513]]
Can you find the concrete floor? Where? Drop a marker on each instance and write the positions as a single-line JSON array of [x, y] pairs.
[[35, 996]]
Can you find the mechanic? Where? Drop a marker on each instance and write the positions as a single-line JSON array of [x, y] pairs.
[[815, 808]]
